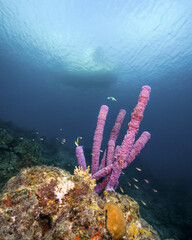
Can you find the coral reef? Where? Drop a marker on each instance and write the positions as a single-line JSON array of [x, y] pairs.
[[49, 203], [86, 176], [17, 153], [22, 148]]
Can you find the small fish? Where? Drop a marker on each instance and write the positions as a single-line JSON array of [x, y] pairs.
[[21, 138], [144, 203], [121, 189], [135, 179], [37, 133], [138, 169], [129, 184], [101, 150], [147, 181], [41, 138], [61, 129], [77, 141], [154, 190], [69, 164], [136, 186], [92, 154], [63, 140], [123, 173], [57, 138], [112, 98], [33, 139]]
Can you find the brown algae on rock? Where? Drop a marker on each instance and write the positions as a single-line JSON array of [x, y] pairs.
[[49, 203]]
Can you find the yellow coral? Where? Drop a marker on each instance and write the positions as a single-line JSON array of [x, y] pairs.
[[134, 231], [87, 177], [145, 231], [116, 223]]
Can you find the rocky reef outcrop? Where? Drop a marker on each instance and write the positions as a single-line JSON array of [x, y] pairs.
[[49, 203]]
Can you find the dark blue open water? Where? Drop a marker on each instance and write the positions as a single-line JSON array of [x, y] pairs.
[[60, 60]]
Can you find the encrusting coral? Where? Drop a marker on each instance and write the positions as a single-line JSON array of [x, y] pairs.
[[86, 176], [116, 223], [46, 203]]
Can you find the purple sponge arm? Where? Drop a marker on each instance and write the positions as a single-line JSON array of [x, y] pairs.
[[80, 157], [137, 147], [103, 160], [98, 136], [128, 141], [103, 172], [119, 120]]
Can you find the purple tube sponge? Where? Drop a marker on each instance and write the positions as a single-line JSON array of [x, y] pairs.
[[137, 147], [80, 157], [97, 140], [115, 131], [110, 152], [103, 172], [136, 118], [115, 158]]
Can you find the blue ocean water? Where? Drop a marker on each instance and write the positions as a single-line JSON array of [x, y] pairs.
[[60, 60]]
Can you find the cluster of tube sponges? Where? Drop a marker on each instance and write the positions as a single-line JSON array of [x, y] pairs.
[[116, 158]]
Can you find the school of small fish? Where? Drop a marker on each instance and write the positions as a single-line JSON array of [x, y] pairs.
[[137, 187], [63, 140]]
